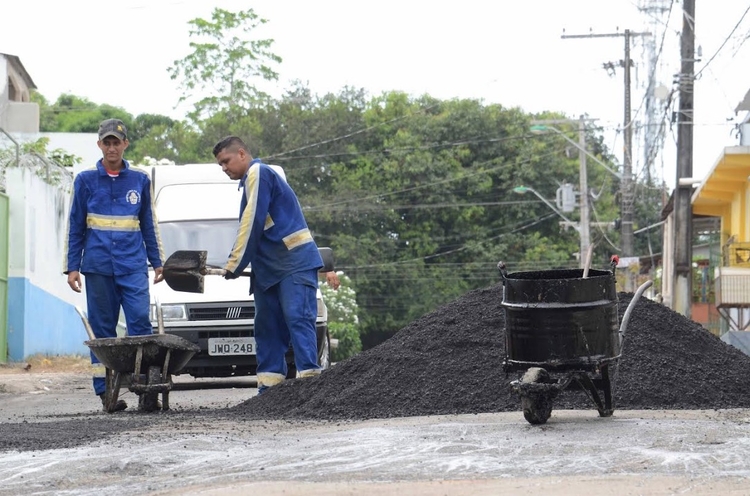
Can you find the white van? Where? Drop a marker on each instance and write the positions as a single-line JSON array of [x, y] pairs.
[[197, 207]]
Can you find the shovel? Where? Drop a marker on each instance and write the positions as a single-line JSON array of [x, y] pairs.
[[185, 269]]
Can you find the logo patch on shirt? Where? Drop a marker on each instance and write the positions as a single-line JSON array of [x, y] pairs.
[[133, 197]]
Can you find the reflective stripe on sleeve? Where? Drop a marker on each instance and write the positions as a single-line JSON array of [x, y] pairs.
[[298, 238]]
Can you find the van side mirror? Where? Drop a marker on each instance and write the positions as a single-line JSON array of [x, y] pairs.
[[326, 254]]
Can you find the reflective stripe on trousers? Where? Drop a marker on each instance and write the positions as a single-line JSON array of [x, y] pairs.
[[284, 314]]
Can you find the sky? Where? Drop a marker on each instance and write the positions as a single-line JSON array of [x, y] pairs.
[[502, 51]]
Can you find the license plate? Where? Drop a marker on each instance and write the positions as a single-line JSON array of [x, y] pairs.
[[231, 346]]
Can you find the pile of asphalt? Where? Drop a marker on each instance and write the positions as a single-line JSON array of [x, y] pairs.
[[450, 362]]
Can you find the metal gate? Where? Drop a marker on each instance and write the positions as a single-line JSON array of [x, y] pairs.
[[4, 247]]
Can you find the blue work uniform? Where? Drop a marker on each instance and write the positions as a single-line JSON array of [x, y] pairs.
[[274, 239], [112, 232]]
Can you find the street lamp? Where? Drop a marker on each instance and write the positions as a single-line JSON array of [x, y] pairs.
[[584, 230], [523, 189], [541, 128]]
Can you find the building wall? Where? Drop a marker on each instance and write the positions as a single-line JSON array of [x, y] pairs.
[[21, 117], [3, 90], [41, 306], [17, 114]]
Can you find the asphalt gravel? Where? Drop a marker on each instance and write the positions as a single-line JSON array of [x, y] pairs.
[[450, 362]]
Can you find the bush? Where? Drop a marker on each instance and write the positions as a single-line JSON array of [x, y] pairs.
[[349, 343]]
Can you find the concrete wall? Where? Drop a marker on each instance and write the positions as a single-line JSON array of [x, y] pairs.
[[82, 145], [41, 314]]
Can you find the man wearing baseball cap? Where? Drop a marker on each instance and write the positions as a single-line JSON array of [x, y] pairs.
[[112, 236]]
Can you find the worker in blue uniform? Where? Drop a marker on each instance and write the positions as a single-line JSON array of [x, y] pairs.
[[273, 238], [112, 234]]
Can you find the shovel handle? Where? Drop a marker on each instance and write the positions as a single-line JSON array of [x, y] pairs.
[[220, 272]]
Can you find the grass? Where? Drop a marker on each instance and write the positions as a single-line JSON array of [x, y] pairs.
[[49, 364]]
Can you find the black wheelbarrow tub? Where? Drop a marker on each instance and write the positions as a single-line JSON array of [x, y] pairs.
[[557, 319], [119, 354]]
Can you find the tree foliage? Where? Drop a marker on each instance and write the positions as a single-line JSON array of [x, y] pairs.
[[222, 69], [414, 194]]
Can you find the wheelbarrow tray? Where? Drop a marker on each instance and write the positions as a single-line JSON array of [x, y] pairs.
[[119, 354]]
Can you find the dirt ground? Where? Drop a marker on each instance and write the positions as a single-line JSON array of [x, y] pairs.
[[54, 439]]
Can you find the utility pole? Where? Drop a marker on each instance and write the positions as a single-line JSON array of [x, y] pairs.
[[583, 227], [626, 185], [584, 193], [627, 168], [683, 213]]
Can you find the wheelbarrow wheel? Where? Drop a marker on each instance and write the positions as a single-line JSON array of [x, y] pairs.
[[149, 401], [536, 404]]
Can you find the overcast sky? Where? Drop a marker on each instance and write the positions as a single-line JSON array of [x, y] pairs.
[[503, 51]]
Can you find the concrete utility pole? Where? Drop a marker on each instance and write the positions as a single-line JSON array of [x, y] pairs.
[[626, 185], [628, 196], [583, 227], [683, 212], [584, 193]]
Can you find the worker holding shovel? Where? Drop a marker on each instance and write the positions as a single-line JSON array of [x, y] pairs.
[[274, 239]]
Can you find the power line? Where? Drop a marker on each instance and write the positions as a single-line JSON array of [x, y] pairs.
[[723, 43], [462, 248], [442, 181], [354, 133]]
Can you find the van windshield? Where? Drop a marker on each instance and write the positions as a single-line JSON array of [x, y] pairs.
[[214, 236]]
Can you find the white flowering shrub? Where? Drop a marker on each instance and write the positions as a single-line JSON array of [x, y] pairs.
[[343, 322]]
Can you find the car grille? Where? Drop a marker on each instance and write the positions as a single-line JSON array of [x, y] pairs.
[[225, 334], [221, 312]]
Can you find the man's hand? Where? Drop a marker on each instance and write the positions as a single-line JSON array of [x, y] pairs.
[[332, 279], [229, 275], [74, 280], [158, 275]]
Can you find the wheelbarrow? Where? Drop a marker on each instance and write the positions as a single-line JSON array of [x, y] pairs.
[[146, 363], [561, 330]]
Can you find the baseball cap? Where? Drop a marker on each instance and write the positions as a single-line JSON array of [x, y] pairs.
[[113, 127]]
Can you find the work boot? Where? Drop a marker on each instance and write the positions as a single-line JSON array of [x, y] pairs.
[[119, 406]]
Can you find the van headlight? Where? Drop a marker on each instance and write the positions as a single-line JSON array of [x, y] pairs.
[[322, 309], [170, 312]]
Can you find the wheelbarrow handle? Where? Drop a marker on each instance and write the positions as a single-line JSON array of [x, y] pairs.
[[86, 324], [502, 269]]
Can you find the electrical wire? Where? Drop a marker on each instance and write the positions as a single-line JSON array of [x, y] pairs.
[[456, 250], [442, 181], [721, 47], [599, 227], [354, 133]]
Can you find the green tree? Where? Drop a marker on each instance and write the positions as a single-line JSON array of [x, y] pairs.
[[222, 67]]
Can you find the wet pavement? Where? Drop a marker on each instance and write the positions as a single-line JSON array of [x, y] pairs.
[[199, 449]]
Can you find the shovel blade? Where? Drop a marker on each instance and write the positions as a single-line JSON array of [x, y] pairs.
[[183, 270]]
